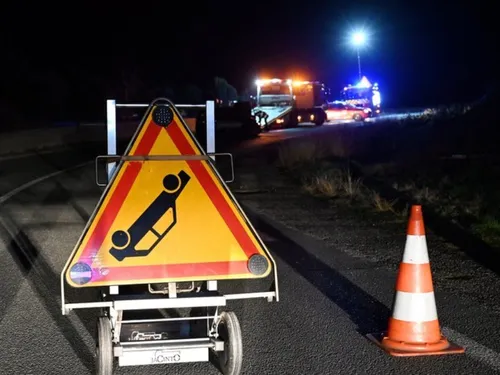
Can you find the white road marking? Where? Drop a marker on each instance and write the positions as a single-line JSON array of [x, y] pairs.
[[474, 349], [27, 185], [29, 154]]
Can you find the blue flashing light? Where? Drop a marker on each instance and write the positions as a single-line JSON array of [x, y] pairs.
[[363, 83]]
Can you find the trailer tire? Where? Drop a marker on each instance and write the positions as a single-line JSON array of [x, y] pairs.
[[230, 360], [104, 347]]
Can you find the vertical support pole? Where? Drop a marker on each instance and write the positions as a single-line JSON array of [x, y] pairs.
[[210, 116], [111, 133], [111, 150], [359, 65]]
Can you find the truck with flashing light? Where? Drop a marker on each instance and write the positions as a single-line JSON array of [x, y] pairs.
[[364, 94], [287, 103]]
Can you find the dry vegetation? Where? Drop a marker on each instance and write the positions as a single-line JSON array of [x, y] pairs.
[[465, 191], [324, 172]]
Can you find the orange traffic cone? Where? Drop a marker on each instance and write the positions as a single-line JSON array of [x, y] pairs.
[[414, 326]]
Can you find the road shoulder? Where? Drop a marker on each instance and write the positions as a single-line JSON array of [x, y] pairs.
[[364, 247]]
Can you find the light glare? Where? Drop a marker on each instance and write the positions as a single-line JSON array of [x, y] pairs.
[[359, 38]]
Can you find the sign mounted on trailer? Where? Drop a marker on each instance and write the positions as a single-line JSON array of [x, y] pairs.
[[166, 216]]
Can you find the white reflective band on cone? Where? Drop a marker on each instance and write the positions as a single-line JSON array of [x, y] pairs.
[[415, 250], [415, 307]]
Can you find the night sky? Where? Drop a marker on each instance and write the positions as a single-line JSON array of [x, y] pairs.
[[419, 53]]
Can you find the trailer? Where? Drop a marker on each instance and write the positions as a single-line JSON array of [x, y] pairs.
[[166, 233]]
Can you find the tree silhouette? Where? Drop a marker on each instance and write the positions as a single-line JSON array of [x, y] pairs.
[[224, 91]]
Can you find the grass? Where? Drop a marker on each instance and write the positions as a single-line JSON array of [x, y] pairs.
[[382, 204], [489, 230], [407, 156], [465, 191], [334, 183], [322, 171]]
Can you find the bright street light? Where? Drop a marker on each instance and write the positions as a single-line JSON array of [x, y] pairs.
[[358, 39]]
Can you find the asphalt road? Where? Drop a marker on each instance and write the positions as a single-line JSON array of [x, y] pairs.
[[329, 300], [306, 129]]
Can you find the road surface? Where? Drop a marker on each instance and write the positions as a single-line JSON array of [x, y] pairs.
[[328, 127], [333, 290]]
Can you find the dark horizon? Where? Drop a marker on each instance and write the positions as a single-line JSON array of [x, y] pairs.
[[420, 54]]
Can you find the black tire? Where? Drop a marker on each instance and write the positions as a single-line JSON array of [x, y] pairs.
[[104, 347], [357, 117], [230, 360], [320, 120]]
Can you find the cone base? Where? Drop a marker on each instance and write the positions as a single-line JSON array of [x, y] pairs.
[[398, 349]]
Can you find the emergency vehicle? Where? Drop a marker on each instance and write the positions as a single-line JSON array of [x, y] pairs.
[[364, 94], [287, 103]]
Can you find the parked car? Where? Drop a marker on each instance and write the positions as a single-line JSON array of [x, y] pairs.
[[344, 111]]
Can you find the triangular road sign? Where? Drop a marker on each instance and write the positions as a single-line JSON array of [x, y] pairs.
[[162, 221]]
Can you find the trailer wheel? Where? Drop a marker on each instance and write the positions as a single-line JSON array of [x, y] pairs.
[[104, 347], [230, 360]]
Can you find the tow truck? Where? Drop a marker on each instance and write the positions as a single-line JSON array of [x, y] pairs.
[[364, 95], [287, 103]]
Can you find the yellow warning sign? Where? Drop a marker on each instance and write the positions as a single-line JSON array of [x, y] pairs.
[[167, 219]]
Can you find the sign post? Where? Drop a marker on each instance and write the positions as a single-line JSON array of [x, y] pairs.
[[111, 127], [210, 116], [111, 133]]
